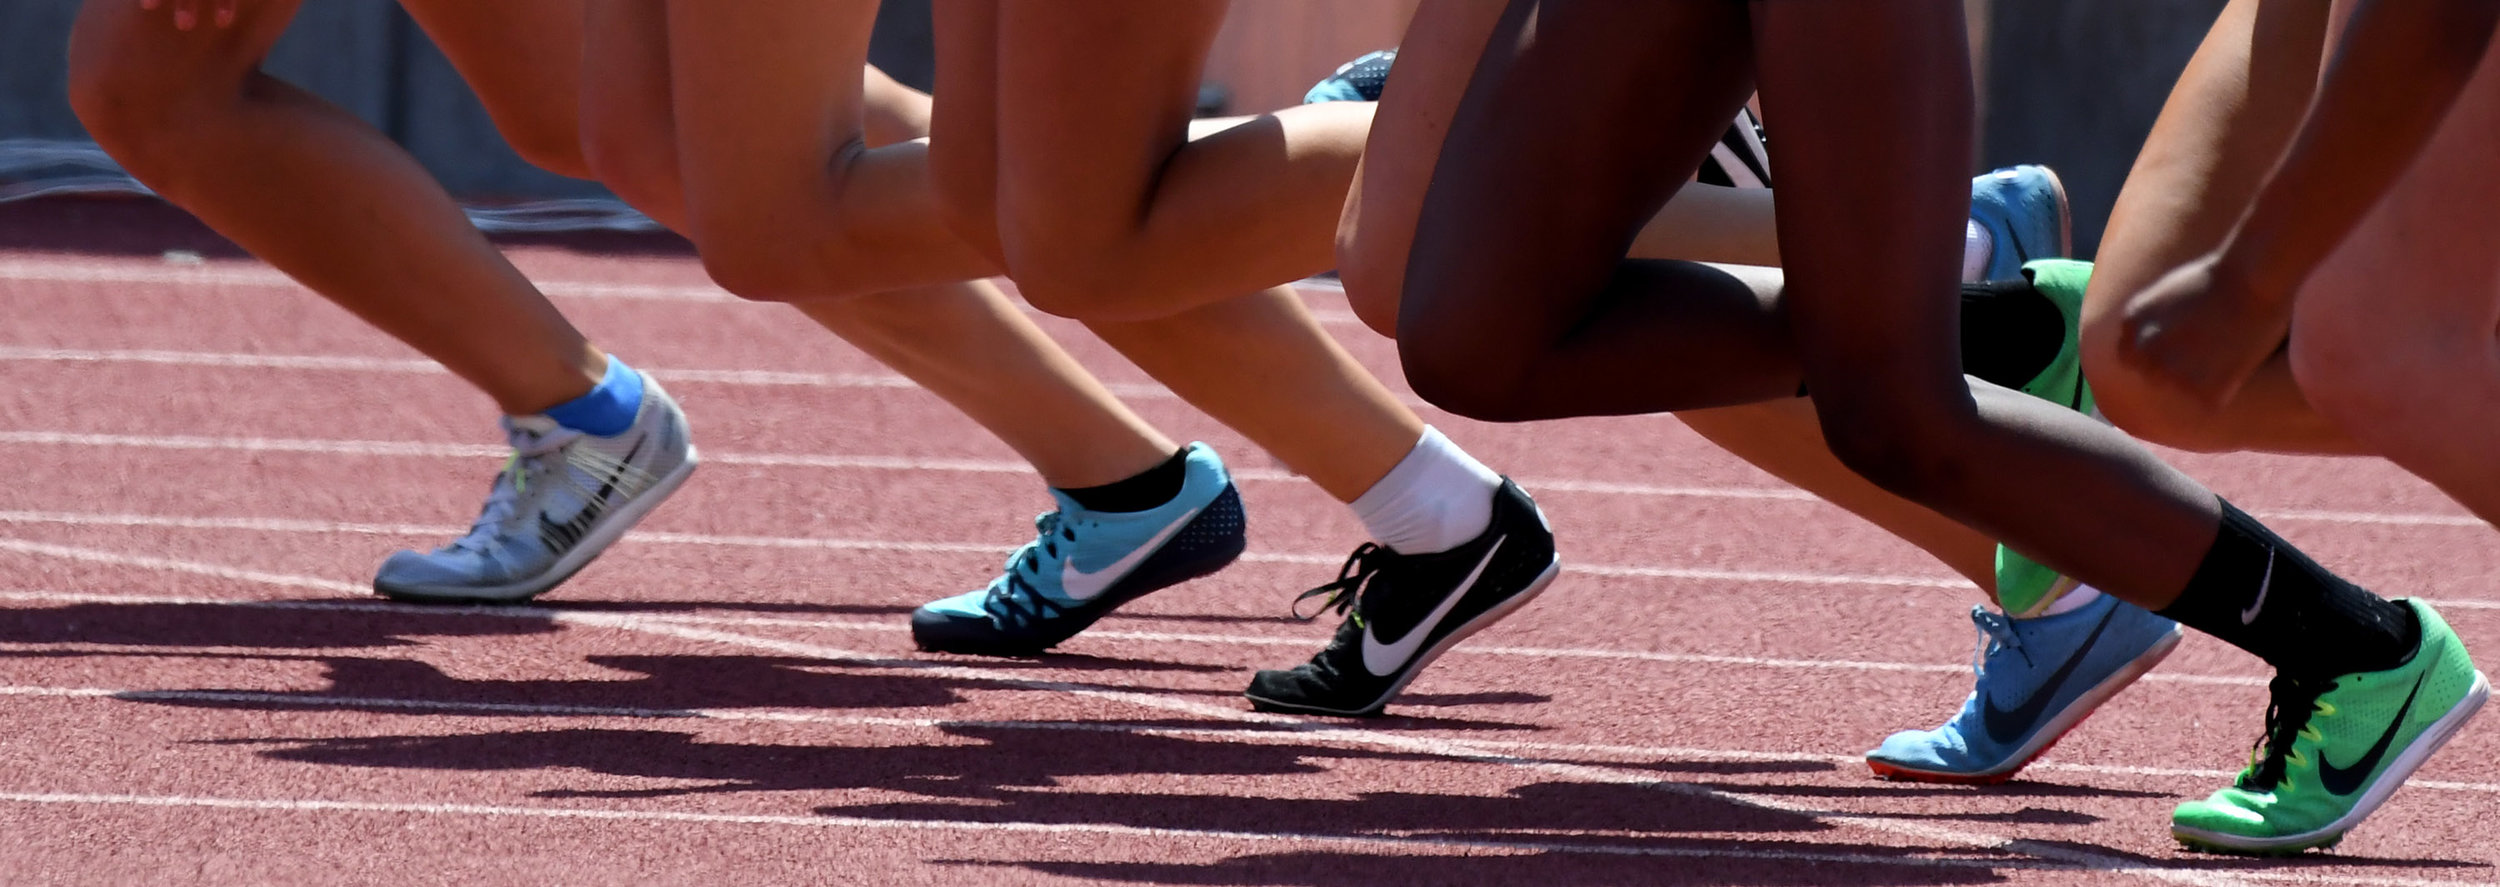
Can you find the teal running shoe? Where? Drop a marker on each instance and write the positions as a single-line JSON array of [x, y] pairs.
[[2337, 748], [1359, 80], [2038, 678], [1084, 564]]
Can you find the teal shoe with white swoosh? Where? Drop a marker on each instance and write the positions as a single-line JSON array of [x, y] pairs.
[[1405, 610], [1083, 564]]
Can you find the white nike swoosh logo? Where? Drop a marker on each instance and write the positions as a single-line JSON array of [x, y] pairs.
[[2249, 616], [1384, 659], [1081, 585]]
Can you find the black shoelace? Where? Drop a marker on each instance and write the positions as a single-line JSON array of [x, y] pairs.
[[2294, 700], [1016, 601], [1367, 561]]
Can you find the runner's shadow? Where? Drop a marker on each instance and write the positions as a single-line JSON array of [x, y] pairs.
[[2202, 861], [971, 761], [658, 686], [272, 625], [1881, 789], [1700, 862]]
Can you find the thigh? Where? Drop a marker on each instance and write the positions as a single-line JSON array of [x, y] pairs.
[[1579, 120], [1094, 97], [766, 93], [120, 53], [524, 61], [1377, 229], [2411, 300], [963, 127], [1871, 261], [2228, 119]]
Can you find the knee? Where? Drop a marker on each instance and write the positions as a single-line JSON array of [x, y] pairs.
[[1371, 285], [2142, 405], [773, 267], [642, 171], [136, 108], [1913, 450], [549, 146], [1468, 381]]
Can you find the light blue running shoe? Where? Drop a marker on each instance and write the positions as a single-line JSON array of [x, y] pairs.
[[2024, 211], [2038, 678], [1086, 563]]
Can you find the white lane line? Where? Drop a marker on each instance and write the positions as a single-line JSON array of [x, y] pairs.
[[1245, 733], [261, 276], [296, 805], [282, 525], [1452, 749], [808, 543], [418, 449], [407, 366]]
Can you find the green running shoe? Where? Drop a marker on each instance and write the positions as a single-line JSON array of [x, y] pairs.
[[2336, 748], [2024, 588]]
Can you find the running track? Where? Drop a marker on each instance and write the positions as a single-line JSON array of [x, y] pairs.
[[206, 462]]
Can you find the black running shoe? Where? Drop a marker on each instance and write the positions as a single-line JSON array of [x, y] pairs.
[[1405, 610]]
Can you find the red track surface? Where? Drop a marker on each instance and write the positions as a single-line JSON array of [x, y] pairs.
[[206, 462]]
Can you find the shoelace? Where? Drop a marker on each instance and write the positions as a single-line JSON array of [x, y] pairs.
[[2294, 701], [1995, 630], [1367, 561], [1017, 598], [531, 452]]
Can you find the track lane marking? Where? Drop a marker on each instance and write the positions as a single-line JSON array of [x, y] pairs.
[[1451, 749], [442, 450]]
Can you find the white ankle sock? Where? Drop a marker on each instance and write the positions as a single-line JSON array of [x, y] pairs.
[[2081, 597], [1436, 499], [1978, 246]]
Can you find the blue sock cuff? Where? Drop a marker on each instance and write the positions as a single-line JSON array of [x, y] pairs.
[[609, 408]]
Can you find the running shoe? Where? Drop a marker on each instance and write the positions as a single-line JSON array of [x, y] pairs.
[[2336, 748], [2024, 210], [2025, 588], [1403, 611], [1359, 80], [1085, 563], [562, 498], [2038, 678]]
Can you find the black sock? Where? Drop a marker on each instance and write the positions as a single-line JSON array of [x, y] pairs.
[[1144, 490], [2010, 332], [2259, 593]]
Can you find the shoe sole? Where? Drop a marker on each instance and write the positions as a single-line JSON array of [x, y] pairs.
[[2389, 780], [1424, 659], [593, 544], [2067, 720]]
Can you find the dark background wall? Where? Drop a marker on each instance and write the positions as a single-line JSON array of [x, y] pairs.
[[2071, 83]]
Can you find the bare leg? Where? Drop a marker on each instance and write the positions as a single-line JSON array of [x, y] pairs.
[[963, 341], [783, 192], [1261, 365], [2228, 120], [320, 195], [1104, 209], [2397, 338]]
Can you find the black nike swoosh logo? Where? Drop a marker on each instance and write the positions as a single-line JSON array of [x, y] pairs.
[[2346, 780], [563, 536], [2006, 725]]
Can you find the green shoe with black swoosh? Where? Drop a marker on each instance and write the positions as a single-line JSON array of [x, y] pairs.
[[2337, 748]]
